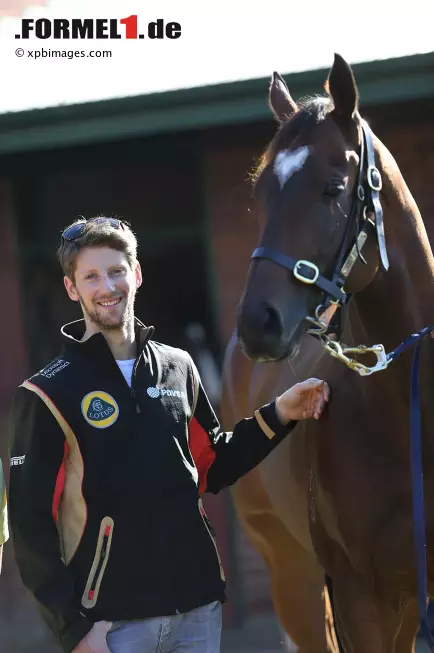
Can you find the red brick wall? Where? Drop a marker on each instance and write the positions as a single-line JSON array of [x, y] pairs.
[[12, 348], [413, 148], [234, 230]]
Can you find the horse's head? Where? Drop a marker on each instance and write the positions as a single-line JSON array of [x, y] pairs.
[[311, 189]]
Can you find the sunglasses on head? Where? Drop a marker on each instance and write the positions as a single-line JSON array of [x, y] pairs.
[[76, 230]]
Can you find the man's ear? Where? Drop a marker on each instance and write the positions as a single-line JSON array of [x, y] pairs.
[[71, 289], [139, 277]]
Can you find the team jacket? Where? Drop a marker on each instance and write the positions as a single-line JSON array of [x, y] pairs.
[[106, 483]]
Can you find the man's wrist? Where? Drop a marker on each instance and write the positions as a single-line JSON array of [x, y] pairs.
[[281, 414]]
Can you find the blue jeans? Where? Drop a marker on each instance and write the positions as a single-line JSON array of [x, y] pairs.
[[197, 631]]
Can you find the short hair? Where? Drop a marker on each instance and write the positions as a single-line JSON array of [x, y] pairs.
[[98, 232]]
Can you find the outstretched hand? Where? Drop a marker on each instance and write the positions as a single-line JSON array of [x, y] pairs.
[[303, 400]]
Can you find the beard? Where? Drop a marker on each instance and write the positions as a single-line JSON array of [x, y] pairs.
[[106, 322]]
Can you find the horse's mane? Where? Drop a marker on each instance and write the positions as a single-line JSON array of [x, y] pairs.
[[311, 110]]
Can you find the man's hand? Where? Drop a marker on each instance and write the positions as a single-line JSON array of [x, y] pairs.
[[302, 401], [95, 640]]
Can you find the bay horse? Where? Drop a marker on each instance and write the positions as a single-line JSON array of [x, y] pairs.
[[342, 243]]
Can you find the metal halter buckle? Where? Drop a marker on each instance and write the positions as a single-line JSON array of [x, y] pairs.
[[298, 275], [374, 178], [340, 352]]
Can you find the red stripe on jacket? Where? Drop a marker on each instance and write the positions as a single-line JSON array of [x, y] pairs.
[[201, 450], [60, 484]]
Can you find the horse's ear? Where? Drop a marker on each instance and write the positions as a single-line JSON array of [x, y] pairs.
[[279, 99], [342, 88]]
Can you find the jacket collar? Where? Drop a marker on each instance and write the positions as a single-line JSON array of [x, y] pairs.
[[96, 345]]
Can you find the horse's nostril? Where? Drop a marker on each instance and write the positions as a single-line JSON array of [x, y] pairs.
[[273, 322], [260, 327]]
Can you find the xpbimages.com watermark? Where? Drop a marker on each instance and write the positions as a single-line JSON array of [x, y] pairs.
[[45, 53], [98, 28]]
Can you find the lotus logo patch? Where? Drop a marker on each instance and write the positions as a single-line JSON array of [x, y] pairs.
[[99, 409]]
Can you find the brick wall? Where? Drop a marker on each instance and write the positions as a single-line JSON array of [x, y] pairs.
[[234, 229], [234, 232], [413, 148]]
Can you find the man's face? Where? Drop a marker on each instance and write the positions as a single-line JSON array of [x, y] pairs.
[[105, 286]]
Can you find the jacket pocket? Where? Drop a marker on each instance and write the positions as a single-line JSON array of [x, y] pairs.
[[91, 591], [212, 535]]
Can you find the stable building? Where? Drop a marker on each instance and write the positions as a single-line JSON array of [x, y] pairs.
[[175, 165]]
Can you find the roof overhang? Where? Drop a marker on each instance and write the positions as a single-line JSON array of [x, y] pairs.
[[383, 81]]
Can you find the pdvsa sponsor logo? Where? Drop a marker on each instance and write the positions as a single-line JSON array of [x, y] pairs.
[[98, 28], [54, 369], [99, 409], [154, 393]]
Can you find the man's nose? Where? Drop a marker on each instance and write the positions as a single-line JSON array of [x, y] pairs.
[[108, 283]]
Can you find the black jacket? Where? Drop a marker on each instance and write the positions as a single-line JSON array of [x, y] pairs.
[[106, 483]]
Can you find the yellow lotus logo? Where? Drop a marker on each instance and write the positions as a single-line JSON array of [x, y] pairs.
[[99, 409]]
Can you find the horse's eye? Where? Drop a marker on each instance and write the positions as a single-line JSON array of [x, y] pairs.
[[333, 189]]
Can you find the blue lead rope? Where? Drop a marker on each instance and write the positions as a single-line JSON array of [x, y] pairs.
[[415, 337], [419, 530]]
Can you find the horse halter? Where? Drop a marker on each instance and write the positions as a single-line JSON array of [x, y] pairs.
[[366, 203]]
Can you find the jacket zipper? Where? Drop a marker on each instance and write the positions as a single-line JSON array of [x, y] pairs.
[[91, 591], [102, 555], [133, 376], [136, 403], [133, 386]]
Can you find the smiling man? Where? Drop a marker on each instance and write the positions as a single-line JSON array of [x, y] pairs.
[[117, 442]]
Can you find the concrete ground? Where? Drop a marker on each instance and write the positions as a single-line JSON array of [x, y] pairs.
[[262, 635]]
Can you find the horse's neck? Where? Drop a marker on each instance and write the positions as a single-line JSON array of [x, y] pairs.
[[400, 301], [397, 303]]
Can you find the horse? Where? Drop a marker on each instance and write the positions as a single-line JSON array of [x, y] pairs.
[[343, 257]]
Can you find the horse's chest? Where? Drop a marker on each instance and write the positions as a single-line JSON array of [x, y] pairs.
[[360, 507], [284, 474]]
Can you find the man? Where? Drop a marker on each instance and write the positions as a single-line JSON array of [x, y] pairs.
[[4, 532], [118, 442]]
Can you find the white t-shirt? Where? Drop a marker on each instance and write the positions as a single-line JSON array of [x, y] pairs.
[[126, 367]]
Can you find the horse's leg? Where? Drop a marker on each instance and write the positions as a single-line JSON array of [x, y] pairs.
[[364, 624], [297, 582]]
